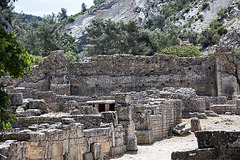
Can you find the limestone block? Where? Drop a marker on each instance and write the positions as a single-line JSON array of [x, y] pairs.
[[96, 149], [195, 124], [122, 98], [106, 147], [88, 156], [132, 145], [115, 151], [198, 154], [142, 119], [123, 112], [211, 113], [144, 136], [118, 141], [36, 153], [67, 120], [110, 117], [238, 106], [38, 104], [16, 99], [181, 129]]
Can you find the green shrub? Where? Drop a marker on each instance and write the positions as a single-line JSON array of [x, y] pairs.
[[200, 17], [70, 19], [182, 51], [215, 24], [36, 59], [72, 56], [204, 5], [221, 30], [206, 37], [222, 12]]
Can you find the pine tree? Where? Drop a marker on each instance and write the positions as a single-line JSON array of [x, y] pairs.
[[84, 7]]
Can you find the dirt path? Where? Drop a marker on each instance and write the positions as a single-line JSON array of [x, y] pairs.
[[161, 150]]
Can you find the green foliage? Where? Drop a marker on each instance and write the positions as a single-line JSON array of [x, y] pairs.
[[174, 7], [222, 13], [72, 56], [204, 5], [83, 7], [215, 24], [107, 37], [70, 19], [182, 51], [5, 118], [206, 38], [165, 38], [36, 59], [13, 58], [221, 30], [96, 2], [14, 61], [41, 37], [192, 36], [156, 22], [212, 36], [200, 17], [63, 14]]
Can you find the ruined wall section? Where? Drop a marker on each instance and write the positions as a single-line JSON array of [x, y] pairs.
[[217, 145], [215, 75], [49, 75], [154, 117], [124, 73], [63, 137]]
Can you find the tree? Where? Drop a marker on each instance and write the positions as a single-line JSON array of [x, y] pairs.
[[167, 37], [84, 7], [107, 37], [14, 60], [41, 37], [63, 14]]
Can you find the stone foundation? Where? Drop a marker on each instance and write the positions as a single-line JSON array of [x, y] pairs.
[[213, 145]]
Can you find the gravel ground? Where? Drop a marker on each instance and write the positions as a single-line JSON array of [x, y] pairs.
[[161, 150]]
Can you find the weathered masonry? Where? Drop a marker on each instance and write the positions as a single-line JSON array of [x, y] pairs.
[[104, 75], [213, 145], [112, 103]]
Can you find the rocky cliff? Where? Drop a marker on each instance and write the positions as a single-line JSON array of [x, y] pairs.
[[142, 10]]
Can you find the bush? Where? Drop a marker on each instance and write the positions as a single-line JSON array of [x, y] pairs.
[[36, 59], [72, 56], [221, 30], [71, 19], [200, 17], [206, 37], [182, 51], [222, 13], [204, 5], [215, 24]]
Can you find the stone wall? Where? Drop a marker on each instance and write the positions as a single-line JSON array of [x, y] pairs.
[[214, 145], [125, 73], [104, 75], [153, 118], [62, 137]]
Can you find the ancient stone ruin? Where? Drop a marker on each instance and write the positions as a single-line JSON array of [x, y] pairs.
[[108, 105]]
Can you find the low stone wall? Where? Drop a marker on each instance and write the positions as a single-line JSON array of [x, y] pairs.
[[64, 138], [213, 145], [154, 118]]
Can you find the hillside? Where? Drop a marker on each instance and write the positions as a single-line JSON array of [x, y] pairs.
[[116, 10], [190, 15]]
